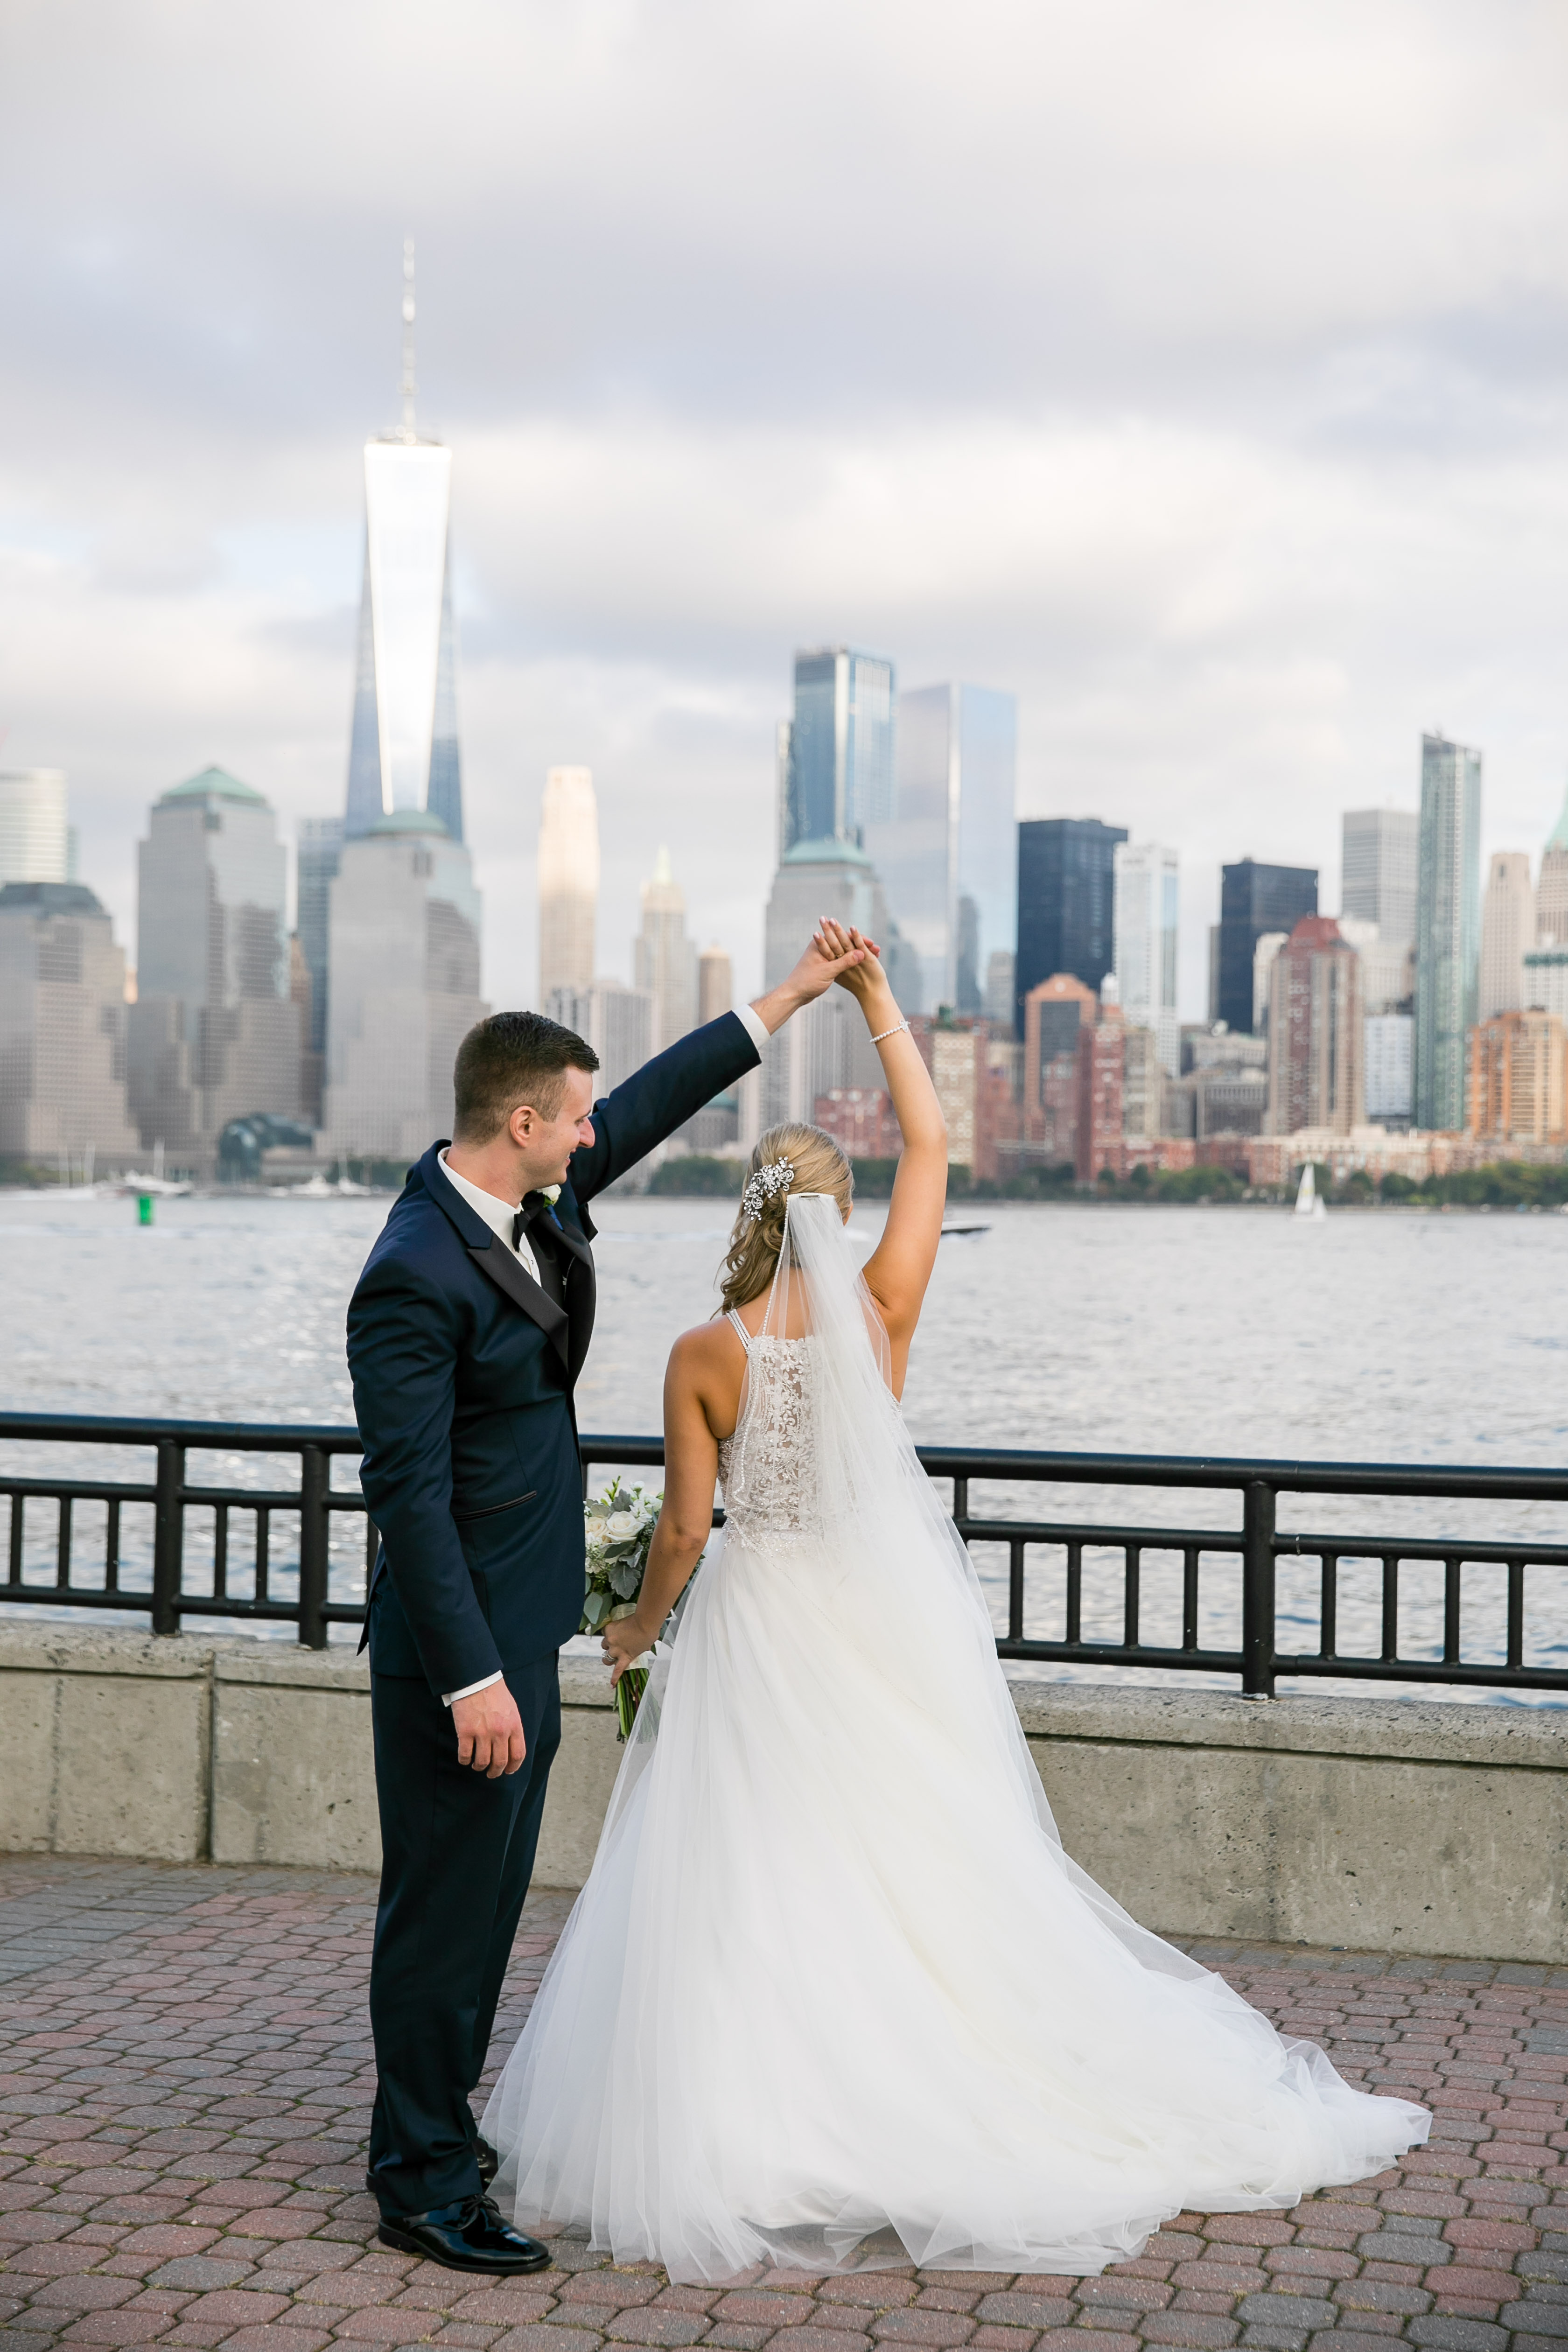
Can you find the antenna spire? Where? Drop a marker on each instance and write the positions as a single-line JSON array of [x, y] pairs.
[[408, 387]]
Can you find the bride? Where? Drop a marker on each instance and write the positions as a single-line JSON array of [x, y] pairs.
[[834, 1996]]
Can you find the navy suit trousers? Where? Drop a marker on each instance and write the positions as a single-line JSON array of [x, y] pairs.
[[458, 1853]]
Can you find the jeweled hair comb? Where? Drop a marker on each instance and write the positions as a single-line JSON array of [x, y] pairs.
[[760, 1188]]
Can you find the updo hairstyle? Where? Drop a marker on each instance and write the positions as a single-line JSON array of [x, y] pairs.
[[820, 1167]]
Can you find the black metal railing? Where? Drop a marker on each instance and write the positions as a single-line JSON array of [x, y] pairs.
[[169, 1582]]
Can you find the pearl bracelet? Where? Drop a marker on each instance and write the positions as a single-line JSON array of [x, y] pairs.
[[890, 1033]]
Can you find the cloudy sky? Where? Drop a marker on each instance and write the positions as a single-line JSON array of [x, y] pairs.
[[1198, 373]]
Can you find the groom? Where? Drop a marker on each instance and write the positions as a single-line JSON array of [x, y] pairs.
[[467, 1332]]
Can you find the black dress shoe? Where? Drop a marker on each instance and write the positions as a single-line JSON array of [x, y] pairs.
[[467, 2236]]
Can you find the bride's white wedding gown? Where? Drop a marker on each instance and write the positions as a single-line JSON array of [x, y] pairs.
[[833, 1995]]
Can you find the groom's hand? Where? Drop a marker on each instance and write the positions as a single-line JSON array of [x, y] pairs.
[[813, 976], [489, 1731]]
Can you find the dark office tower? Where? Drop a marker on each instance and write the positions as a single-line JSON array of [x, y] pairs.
[[1066, 902], [1255, 899]]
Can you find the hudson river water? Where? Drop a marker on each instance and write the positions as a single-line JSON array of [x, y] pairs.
[[1414, 1337]]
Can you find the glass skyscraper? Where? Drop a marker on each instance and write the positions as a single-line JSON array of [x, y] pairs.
[[1378, 870], [835, 764], [1448, 927], [319, 849], [1147, 919], [403, 752], [948, 854], [35, 836], [1066, 902]]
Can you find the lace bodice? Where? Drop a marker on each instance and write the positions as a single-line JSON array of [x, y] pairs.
[[768, 1467]]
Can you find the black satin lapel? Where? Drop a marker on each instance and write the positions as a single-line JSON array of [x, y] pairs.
[[581, 1290], [581, 1295], [577, 1246], [507, 1274]]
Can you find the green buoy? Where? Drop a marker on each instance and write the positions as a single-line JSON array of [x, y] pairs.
[[144, 1207]]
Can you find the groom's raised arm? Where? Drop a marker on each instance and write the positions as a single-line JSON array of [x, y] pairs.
[[663, 1095], [673, 1088]]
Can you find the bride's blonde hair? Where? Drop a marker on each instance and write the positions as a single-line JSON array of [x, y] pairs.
[[817, 1166]]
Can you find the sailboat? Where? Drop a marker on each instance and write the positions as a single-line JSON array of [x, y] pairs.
[[1307, 1202]]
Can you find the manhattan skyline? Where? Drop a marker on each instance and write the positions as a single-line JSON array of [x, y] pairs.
[[1238, 500]]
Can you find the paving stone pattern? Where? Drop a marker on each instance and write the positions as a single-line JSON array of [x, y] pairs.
[[186, 2079]]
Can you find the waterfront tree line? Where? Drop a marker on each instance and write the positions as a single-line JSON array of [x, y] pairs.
[[1502, 1185]]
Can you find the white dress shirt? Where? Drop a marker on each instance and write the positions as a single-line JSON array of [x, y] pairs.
[[500, 1216], [497, 1214], [756, 1027]]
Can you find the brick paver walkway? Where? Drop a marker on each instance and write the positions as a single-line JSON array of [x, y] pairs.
[[185, 2077]]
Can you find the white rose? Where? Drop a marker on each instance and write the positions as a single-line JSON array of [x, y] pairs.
[[622, 1524]]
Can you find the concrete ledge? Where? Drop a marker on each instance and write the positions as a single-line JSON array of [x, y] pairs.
[[293, 1775], [105, 1743], [1420, 1826], [1427, 1731]]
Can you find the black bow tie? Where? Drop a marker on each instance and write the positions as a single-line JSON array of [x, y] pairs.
[[535, 1208]]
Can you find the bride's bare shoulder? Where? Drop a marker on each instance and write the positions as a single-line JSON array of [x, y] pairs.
[[703, 1380], [708, 1349]]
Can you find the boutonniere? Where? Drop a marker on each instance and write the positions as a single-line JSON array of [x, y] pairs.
[[551, 1193]]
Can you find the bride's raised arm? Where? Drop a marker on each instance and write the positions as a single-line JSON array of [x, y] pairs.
[[900, 1267]]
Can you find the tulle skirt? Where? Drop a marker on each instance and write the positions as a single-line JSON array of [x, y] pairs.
[[834, 1996]]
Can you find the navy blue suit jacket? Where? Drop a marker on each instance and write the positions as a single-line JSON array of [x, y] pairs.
[[463, 1371]]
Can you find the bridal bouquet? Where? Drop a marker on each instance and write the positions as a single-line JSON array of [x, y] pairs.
[[619, 1526]]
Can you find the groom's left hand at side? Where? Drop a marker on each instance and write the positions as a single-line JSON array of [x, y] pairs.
[[489, 1731]]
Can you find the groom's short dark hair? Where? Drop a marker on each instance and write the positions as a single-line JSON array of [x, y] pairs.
[[513, 1058]]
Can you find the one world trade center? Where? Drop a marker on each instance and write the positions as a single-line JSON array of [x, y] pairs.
[[403, 752]]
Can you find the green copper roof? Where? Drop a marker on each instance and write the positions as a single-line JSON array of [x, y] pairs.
[[1558, 836], [214, 783], [48, 898], [408, 821], [824, 853]]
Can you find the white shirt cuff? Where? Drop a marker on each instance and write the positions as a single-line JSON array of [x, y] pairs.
[[756, 1028], [447, 1697]]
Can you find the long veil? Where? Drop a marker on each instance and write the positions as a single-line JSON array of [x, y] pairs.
[[856, 1442], [874, 1506]]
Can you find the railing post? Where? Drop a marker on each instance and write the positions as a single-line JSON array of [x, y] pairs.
[[168, 1535], [315, 1543], [1257, 1589]]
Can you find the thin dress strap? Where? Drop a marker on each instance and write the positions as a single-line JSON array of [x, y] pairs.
[[746, 1336]]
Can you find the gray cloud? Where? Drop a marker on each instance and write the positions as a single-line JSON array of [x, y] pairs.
[[1199, 373]]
